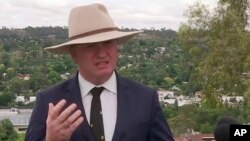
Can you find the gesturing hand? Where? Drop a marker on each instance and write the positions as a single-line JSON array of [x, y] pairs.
[[61, 124]]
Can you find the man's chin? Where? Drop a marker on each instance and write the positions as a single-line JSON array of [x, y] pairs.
[[105, 73]]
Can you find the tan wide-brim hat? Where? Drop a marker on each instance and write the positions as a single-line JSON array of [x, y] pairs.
[[91, 24]]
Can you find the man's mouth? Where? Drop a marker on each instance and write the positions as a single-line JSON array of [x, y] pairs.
[[102, 63]]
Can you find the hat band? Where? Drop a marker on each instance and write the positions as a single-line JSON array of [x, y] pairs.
[[93, 32]]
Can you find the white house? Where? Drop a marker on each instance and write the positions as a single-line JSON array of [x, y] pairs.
[[19, 99], [163, 94], [32, 99], [227, 98]]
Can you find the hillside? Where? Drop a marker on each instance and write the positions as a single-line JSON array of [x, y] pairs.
[[26, 68]]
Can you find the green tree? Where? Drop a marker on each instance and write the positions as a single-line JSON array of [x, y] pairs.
[[53, 76], [7, 131], [5, 98], [206, 128], [181, 125], [21, 137], [16, 85], [221, 44], [193, 40], [246, 103], [168, 82], [2, 68]]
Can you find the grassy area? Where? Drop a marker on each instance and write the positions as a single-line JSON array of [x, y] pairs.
[[21, 136]]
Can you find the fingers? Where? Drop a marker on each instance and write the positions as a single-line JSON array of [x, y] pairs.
[[71, 119], [67, 116], [76, 123], [74, 116], [74, 120], [67, 112], [61, 123], [54, 111]]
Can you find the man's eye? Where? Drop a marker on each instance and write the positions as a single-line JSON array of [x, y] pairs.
[[109, 42], [90, 45]]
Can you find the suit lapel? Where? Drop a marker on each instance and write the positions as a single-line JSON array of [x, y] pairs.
[[74, 96], [122, 108]]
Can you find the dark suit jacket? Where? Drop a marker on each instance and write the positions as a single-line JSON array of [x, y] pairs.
[[139, 115]]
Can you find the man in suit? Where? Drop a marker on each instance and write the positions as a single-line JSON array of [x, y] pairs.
[[97, 104]]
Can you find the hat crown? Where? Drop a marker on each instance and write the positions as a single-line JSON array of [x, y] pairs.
[[91, 24], [86, 19]]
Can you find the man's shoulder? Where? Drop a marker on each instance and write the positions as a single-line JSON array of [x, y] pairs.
[[133, 84], [59, 87]]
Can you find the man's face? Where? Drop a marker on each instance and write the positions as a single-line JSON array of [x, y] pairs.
[[96, 61]]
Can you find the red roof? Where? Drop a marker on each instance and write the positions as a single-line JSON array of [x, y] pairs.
[[197, 137]]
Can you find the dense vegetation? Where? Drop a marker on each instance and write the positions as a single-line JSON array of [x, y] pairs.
[[210, 53], [7, 131], [156, 52]]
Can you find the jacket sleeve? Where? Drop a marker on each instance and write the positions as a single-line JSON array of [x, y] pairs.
[[37, 126], [159, 128]]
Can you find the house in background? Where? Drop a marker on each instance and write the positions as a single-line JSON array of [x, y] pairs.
[[19, 117]]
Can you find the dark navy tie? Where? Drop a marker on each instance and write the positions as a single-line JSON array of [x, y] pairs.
[[96, 121]]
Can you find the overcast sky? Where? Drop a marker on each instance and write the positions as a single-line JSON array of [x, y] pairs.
[[126, 13]]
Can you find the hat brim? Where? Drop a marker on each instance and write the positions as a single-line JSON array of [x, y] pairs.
[[119, 35]]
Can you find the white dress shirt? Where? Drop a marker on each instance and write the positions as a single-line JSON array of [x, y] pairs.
[[108, 102]]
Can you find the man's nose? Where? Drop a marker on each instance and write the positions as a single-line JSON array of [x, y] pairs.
[[101, 50]]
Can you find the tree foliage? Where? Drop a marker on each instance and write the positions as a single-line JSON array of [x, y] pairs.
[[181, 125], [7, 131], [150, 59], [218, 47]]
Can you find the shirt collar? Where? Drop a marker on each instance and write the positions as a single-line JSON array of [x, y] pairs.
[[86, 86]]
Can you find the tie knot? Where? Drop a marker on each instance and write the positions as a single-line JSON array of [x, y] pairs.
[[96, 91]]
